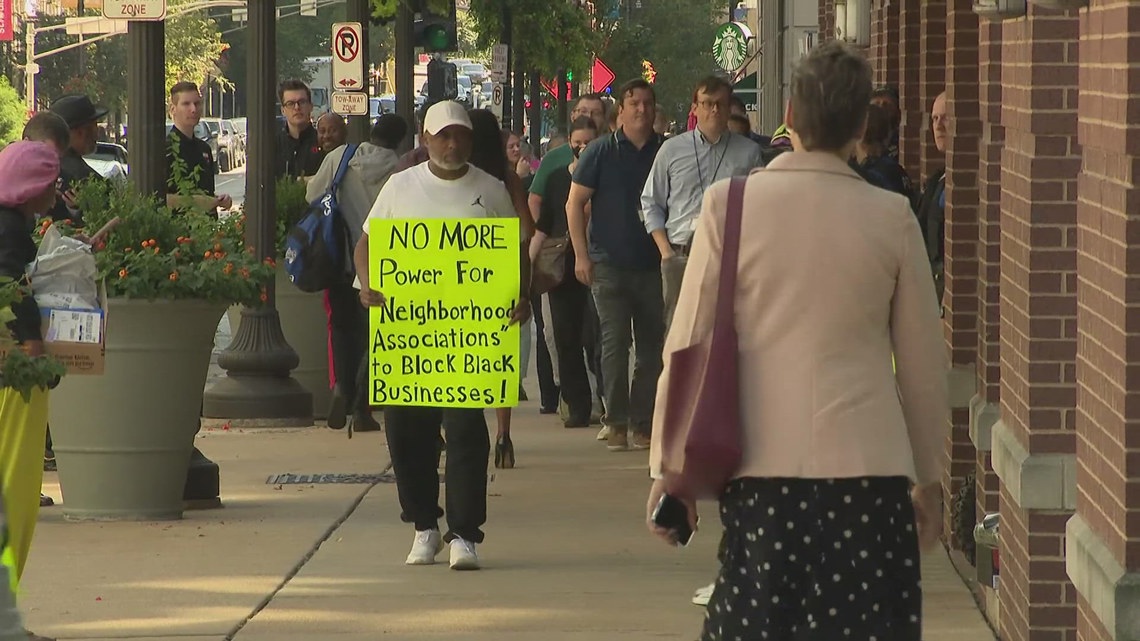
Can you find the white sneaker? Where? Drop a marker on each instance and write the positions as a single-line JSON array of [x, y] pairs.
[[427, 545], [703, 594], [604, 433], [463, 556]]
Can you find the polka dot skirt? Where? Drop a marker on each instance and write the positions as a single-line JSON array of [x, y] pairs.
[[817, 560]]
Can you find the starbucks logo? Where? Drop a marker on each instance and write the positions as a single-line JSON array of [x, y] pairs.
[[730, 48]]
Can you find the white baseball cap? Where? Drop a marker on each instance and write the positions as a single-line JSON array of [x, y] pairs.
[[445, 114]]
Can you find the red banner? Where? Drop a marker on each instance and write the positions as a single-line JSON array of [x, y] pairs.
[[7, 29]]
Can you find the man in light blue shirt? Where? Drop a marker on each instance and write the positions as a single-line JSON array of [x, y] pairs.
[[685, 167]]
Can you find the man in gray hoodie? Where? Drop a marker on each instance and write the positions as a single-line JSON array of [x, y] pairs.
[[368, 170]]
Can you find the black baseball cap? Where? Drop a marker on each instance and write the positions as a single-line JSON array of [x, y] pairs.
[[77, 109]]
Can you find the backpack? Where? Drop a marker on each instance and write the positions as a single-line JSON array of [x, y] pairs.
[[317, 247]]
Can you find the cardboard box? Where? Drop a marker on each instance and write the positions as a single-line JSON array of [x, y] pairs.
[[77, 337]]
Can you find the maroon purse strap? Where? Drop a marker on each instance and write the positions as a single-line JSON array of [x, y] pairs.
[[730, 258]]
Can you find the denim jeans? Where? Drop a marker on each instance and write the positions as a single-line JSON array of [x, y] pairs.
[[630, 300]]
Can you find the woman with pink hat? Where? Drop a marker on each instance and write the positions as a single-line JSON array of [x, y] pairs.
[[30, 170]]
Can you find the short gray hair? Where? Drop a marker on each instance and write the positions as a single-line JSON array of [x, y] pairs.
[[831, 91]]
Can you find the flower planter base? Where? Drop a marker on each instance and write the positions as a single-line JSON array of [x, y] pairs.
[[123, 440]]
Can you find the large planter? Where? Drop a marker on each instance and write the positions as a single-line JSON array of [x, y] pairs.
[[305, 324], [123, 440]]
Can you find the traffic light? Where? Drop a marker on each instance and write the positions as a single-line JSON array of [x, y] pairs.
[[443, 83], [435, 26]]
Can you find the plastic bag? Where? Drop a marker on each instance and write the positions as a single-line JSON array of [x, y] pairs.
[[63, 274]]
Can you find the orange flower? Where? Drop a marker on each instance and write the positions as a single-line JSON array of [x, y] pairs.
[[156, 251], [264, 297], [207, 255], [122, 273], [228, 269], [270, 262], [218, 254], [145, 244], [173, 276], [244, 272], [217, 247]]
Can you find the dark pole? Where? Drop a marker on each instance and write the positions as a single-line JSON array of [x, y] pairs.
[[535, 111], [518, 64], [360, 11], [80, 10], [406, 71], [563, 98], [505, 38], [146, 102], [257, 385]]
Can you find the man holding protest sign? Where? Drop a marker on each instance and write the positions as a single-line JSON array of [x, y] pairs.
[[442, 265]]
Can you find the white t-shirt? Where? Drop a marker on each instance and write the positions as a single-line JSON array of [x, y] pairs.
[[418, 193]]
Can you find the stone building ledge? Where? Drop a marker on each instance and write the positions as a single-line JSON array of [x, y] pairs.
[[962, 385], [1034, 481], [1111, 592], [983, 417]]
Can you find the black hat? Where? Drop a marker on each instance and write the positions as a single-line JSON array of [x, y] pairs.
[[77, 110]]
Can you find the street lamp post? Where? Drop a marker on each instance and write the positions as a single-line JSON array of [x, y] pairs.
[[257, 385]]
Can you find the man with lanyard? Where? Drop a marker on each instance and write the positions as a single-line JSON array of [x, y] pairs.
[[684, 168], [82, 117], [620, 263], [190, 164], [298, 150]]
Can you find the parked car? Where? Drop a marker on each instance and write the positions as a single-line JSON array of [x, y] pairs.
[[230, 150], [476, 71], [380, 105], [242, 127], [109, 160]]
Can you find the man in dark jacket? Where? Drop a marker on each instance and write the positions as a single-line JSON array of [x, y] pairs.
[[82, 117], [298, 150], [931, 207]]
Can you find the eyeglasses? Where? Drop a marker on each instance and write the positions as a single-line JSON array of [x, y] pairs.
[[296, 104], [713, 104]]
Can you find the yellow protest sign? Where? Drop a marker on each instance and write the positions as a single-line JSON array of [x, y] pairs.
[[443, 338]]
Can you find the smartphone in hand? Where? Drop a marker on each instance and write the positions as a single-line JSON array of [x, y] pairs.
[[672, 515]]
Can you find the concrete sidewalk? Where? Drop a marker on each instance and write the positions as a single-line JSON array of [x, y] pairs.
[[567, 556]]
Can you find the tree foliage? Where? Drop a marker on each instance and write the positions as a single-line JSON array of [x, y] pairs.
[[193, 44], [676, 36], [12, 113], [549, 34]]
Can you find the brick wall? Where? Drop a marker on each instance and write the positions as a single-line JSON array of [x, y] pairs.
[[932, 77], [1109, 288], [1032, 544], [1039, 169], [826, 20], [988, 362], [957, 31], [910, 95], [885, 42]]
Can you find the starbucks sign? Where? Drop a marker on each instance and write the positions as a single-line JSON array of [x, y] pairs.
[[730, 47]]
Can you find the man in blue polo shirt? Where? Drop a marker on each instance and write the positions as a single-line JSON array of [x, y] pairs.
[[621, 263]]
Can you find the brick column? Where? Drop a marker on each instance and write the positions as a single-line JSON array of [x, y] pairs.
[[826, 20], [960, 301], [984, 407], [1103, 538], [885, 39], [931, 79], [1034, 442], [910, 91]]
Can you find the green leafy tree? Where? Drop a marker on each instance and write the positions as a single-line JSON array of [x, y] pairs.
[[676, 36], [13, 114], [549, 35], [193, 45]]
